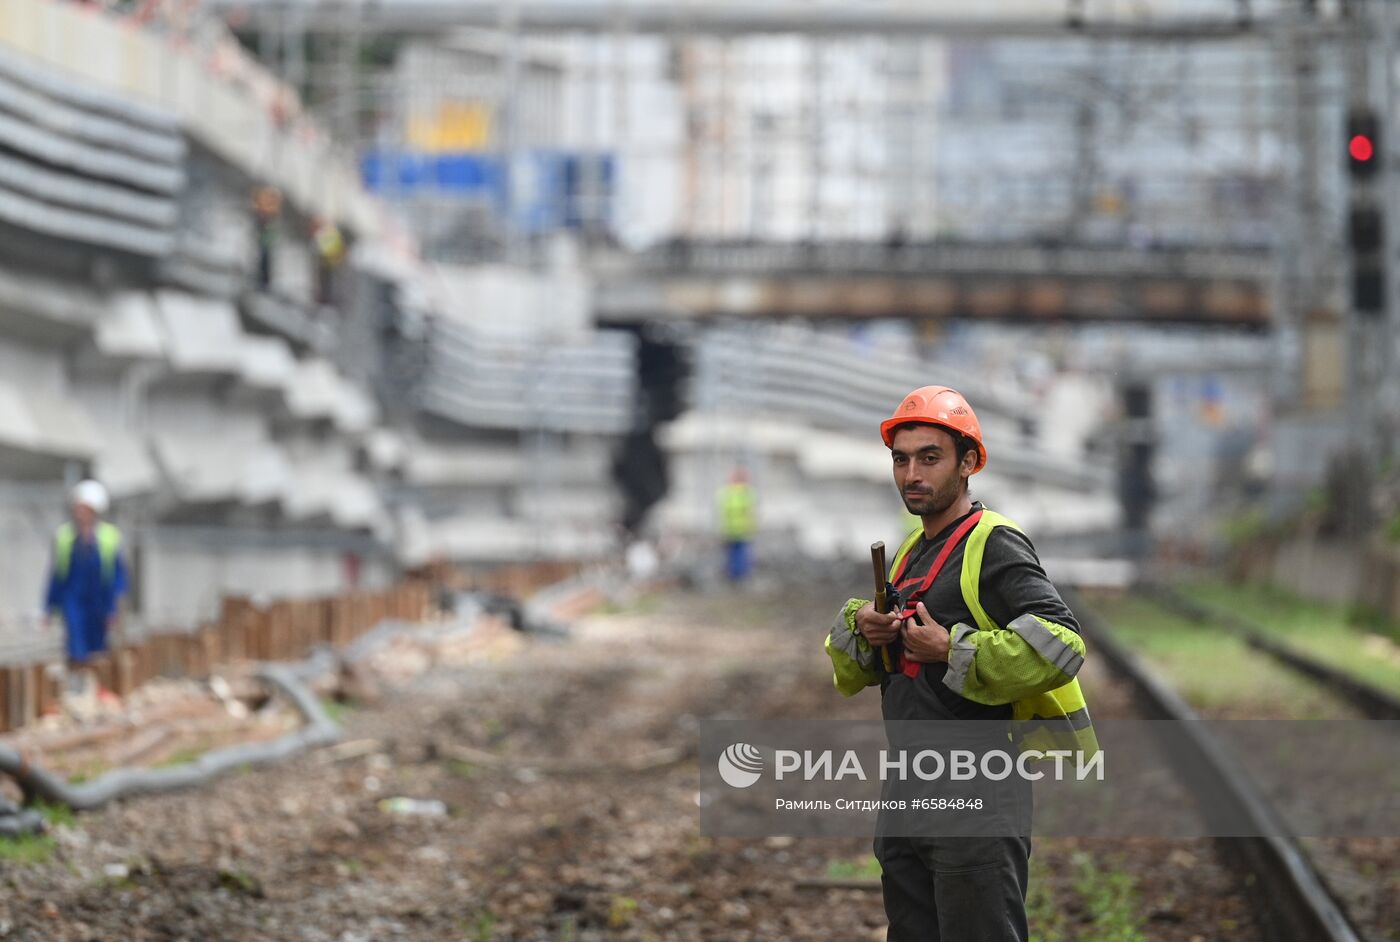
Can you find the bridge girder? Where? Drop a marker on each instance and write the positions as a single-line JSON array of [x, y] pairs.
[[1075, 283]]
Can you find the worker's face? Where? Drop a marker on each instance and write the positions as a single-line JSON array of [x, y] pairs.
[[84, 516], [926, 468]]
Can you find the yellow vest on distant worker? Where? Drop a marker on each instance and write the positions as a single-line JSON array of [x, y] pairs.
[[736, 516], [109, 541]]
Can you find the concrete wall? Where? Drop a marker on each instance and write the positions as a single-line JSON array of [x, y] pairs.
[[28, 516], [184, 576]]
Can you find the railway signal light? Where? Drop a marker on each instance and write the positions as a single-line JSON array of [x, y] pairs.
[[1363, 143], [1365, 215]]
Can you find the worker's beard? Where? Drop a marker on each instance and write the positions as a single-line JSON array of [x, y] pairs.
[[934, 502]]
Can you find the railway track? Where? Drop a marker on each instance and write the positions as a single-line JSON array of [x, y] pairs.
[[1374, 702], [1289, 896]]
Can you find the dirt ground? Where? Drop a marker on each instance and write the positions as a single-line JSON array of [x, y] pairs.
[[558, 839]]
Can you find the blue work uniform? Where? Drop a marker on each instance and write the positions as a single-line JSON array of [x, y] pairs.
[[87, 579]]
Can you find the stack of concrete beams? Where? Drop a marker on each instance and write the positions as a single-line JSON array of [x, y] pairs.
[[232, 457], [252, 429], [515, 418], [799, 407]]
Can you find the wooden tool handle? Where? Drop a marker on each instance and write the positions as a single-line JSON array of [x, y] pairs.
[[882, 598], [877, 562]]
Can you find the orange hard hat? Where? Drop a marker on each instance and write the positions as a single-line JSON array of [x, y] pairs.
[[938, 405]]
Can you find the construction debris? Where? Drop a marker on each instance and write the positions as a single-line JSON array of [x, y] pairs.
[[178, 733]]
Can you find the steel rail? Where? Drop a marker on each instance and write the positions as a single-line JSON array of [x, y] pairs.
[[1288, 896]]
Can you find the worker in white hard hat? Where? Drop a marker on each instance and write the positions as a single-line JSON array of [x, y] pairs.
[[87, 578]]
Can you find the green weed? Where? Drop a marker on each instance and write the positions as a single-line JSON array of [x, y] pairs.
[[462, 769], [337, 710], [240, 881], [863, 868], [89, 771], [1110, 900], [56, 814], [27, 849], [1100, 903], [1043, 910], [621, 911]]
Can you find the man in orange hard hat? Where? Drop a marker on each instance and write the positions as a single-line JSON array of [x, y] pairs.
[[981, 634]]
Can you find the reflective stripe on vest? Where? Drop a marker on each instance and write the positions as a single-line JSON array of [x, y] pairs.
[[108, 539]]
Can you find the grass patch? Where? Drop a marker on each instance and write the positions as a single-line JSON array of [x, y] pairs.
[[859, 868], [1102, 900], [56, 815], [1110, 899], [89, 771], [463, 769], [241, 881], [1044, 911], [337, 710], [1363, 643], [484, 929], [1214, 670], [27, 849]]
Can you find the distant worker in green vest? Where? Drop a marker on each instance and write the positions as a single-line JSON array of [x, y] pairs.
[[87, 578], [737, 524]]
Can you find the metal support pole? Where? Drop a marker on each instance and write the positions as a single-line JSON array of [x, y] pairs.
[[508, 124], [816, 142], [1388, 391], [1366, 333], [621, 49]]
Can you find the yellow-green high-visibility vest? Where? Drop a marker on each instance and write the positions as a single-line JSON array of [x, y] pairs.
[[1057, 718], [736, 511], [109, 541]]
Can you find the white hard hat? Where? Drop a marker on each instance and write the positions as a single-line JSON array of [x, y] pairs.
[[91, 494]]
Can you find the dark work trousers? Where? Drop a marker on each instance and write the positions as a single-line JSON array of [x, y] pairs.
[[941, 887], [954, 889]]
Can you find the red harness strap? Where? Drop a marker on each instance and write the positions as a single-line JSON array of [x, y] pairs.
[[907, 667]]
